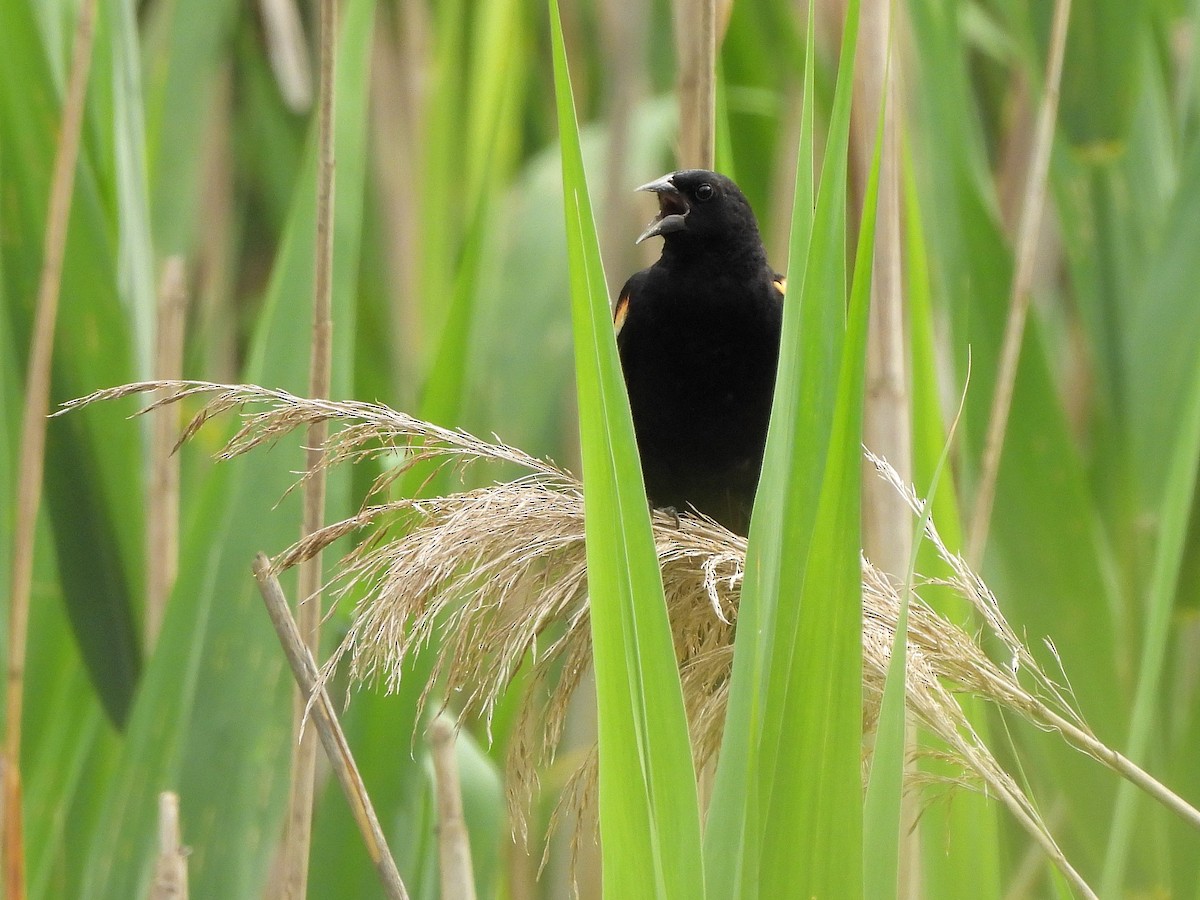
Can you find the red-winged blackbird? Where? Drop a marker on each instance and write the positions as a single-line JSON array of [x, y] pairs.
[[698, 334]]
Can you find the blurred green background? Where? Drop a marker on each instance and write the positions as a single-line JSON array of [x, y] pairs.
[[450, 302]]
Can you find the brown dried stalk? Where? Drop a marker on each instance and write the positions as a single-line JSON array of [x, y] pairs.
[[298, 827], [696, 27], [287, 52], [497, 576], [337, 750], [454, 843], [1028, 231], [170, 869], [162, 495]]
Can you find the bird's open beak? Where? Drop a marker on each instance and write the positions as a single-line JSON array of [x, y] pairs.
[[672, 208]]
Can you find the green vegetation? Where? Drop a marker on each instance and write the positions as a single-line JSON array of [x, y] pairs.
[[458, 296]]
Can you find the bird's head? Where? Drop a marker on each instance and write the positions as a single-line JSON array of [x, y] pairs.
[[696, 206]]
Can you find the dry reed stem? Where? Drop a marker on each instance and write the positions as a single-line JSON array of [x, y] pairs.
[[216, 317], [624, 27], [887, 523], [398, 96], [341, 760], [298, 829], [162, 507], [1031, 867], [33, 440], [497, 576], [454, 844], [696, 39], [170, 870], [520, 875], [287, 52], [1027, 247]]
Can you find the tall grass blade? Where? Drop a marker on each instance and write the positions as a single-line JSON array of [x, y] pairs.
[[1176, 511], [92, 476], [182, 46], [32, 452], [960, 838], [136, 262], [788, 798], [732, 842], [66, 740], [649, 815]]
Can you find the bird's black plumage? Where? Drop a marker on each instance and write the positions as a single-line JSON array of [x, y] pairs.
[[698, 334]]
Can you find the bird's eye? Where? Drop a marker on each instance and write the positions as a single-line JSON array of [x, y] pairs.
[[704, 192]]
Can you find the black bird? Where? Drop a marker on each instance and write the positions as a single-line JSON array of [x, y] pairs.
[[698, 334]]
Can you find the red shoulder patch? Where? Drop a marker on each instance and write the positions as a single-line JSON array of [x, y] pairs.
[[621, 312]]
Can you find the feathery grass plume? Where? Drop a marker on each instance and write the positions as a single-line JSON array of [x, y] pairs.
[[499, 575]]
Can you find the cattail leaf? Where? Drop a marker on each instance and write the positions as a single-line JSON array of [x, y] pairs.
[[649, 816], [788, 795]]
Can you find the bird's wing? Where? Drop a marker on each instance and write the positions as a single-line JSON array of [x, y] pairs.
[[621, 310]]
